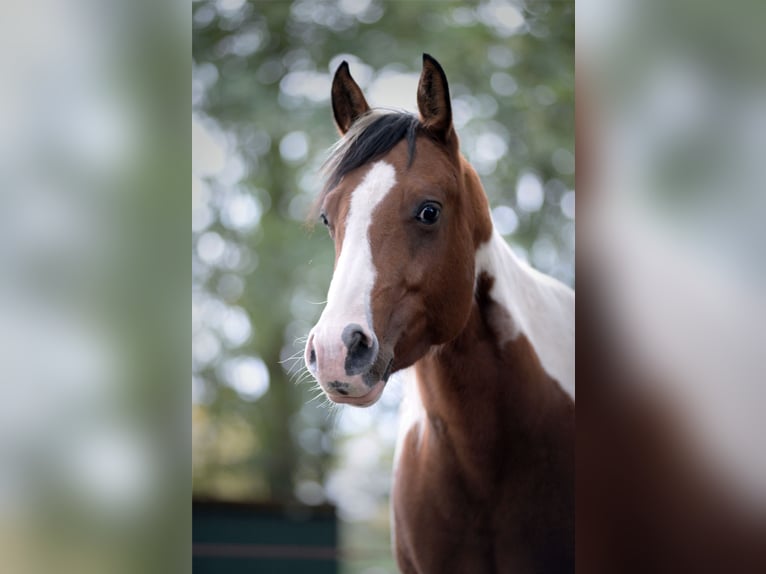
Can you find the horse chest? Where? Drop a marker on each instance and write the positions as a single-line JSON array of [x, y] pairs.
[[476, 513], [447, 521]]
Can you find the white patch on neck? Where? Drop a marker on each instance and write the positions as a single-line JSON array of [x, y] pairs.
[[412, 414], [411, 410], [540, 307], [348, 299]]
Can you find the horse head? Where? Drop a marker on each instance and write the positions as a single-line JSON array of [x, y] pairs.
[[406, 213]]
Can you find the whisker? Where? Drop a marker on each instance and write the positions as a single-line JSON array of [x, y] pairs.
[[301, 377], [295, 373], [305, 380], [333, 414], [320, 395], [296, 356], [295, 363], [295, 368]]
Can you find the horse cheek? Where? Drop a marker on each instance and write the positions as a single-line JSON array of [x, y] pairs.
[[451, 309]]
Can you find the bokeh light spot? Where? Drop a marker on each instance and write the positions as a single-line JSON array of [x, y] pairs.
[[529, 192]]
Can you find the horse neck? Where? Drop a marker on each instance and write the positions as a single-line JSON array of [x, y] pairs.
[[531, 307], [513, 363]]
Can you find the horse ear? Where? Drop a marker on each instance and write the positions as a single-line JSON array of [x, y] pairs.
[[348, 101], [433, 99]]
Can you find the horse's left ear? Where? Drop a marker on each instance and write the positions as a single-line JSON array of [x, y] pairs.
[[433, 99]]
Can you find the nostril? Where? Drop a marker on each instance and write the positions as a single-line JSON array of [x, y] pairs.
[[311, 354], [338, 387], [357, 339], [354, 337], [362, 348]]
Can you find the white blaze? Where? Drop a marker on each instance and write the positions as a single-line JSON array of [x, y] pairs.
[[348, 299]]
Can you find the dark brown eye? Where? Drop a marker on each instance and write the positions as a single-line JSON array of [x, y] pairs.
[[429, 213], [323, 218]]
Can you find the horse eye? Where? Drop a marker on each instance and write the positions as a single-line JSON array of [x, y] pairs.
[[428, 213], [323, 217]]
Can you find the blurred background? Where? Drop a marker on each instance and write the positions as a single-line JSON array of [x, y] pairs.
[[95, 451], [671, 111], [94, 296], [261, 124]]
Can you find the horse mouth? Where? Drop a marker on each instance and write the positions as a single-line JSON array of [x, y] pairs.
[[366, 400], [369, 399]]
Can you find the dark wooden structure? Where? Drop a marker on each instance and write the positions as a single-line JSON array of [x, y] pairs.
[[232, 538]]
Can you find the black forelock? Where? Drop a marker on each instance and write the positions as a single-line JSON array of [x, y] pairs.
[[377, 139]]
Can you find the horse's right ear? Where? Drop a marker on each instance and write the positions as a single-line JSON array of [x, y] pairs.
[[434, 101], [348, 101]]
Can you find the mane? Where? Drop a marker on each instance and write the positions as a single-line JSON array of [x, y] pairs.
[[371, 136]]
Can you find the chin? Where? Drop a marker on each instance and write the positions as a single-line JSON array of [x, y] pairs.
[[362, 401]]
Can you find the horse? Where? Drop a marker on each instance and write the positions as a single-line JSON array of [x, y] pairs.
[[424, 285]]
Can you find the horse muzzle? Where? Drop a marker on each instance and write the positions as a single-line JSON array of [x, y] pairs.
[[347, 362]]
